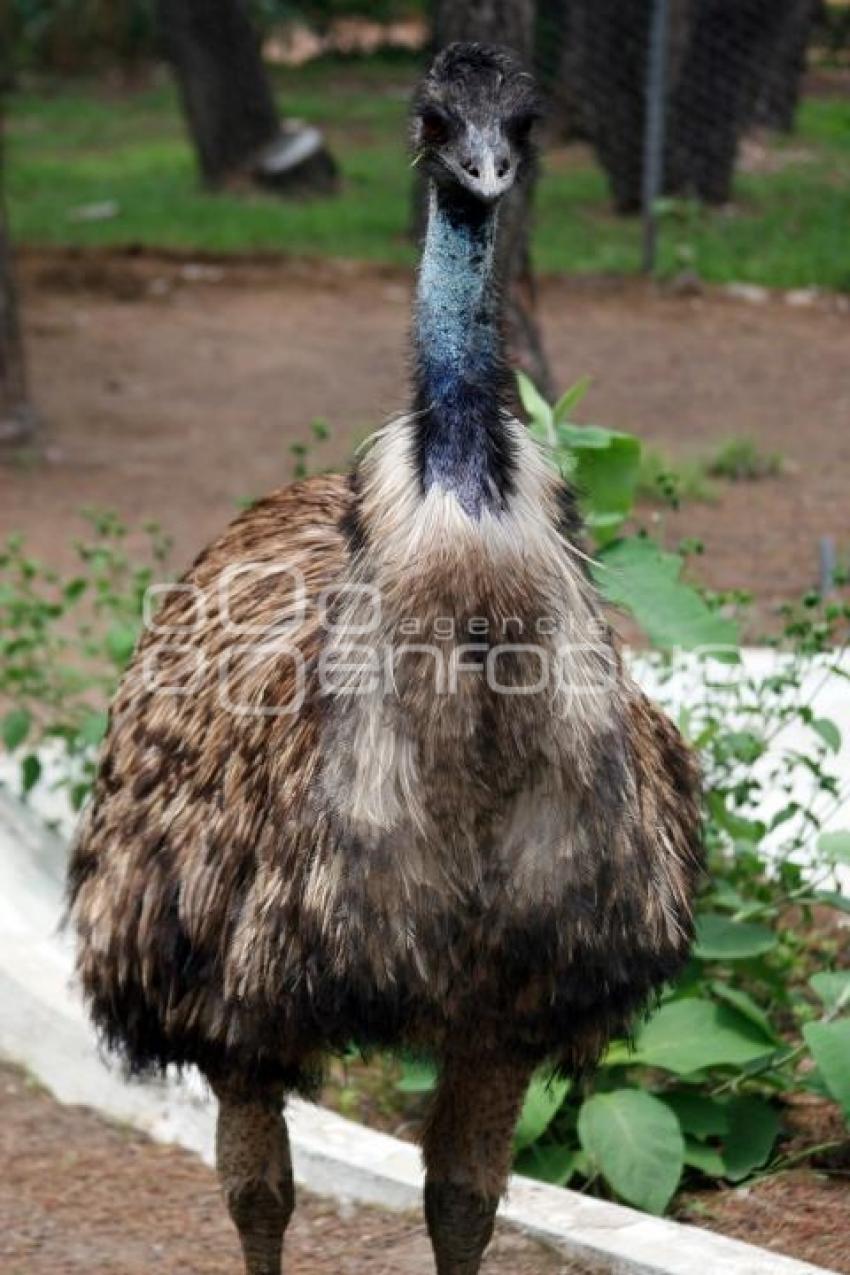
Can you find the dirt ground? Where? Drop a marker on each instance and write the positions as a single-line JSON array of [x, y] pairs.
[[799, 1213], [79, 1196], [174, 390]]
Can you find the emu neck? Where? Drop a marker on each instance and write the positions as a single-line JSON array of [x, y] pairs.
[[459, 357]]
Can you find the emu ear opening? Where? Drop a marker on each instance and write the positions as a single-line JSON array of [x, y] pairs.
[[435, 126]]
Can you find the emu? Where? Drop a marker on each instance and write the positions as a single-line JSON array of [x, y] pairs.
[[289, 850]]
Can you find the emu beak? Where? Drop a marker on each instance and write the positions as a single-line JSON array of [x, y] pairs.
[[486, 166]]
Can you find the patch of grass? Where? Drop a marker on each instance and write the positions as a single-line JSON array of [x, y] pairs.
[[742, 460], [82, 146], [78, 144], [673, 482]]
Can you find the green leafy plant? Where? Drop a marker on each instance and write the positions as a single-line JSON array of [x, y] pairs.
[[63, 644], [665, 481], [633, 572], [742, 460], [302, 453], [763, 1009]]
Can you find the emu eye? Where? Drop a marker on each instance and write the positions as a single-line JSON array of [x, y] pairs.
[[436, 127]]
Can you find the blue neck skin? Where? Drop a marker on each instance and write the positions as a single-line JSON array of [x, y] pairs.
[[459, 356]]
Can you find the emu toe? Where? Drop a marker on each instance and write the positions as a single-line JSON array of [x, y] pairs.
[[460, 1224], [260, 1215], [255, 1170]]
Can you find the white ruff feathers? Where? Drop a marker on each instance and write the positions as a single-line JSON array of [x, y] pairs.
[[446, 581]]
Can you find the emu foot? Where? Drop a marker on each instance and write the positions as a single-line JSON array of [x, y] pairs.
[[261, 1216], [460, 1224], [255, 1169]]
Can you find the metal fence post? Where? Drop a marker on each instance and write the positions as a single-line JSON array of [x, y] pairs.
[[828, 554], [656, 129]]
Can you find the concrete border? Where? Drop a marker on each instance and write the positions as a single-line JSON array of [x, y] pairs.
[[43, 1027]]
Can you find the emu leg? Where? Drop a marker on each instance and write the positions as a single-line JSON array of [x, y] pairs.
[[255, 1171], [467, 1149]]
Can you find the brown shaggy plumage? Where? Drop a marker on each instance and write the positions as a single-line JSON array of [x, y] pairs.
[[376, 774], [252, 887]]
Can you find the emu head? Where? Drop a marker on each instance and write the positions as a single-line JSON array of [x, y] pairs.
[[472, 121]]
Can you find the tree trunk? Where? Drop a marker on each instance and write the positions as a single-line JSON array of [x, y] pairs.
[[7, 47], [229, 103], [511, 23], [719, 52], [610, 40], [713, 100], [508, 22], [560, 48], [17, 420], [778, 94], [605, 65]]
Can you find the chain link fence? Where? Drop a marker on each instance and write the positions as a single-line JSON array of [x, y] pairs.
[[665, 91]]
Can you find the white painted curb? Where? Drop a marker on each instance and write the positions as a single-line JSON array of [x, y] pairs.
[[43, 1027]]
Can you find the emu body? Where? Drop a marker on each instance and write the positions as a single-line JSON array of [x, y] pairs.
[[376, 774]]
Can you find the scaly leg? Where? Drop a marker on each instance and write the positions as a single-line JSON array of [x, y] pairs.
[[255, 1171], [467, 1149]]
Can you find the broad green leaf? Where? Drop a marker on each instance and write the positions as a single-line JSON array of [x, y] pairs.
[[743, 745], [618, 1054], [543, 426], [639, 576], [830, 1046], [813, 1082], [829, 733], [707, 1160], [606, 479], [739, 829], [569, 401], [30, 772], [417, 1076], [603, 524], [699, 1116], [579, 438], [691, 1035], [724, 895], [93, 728], [835, 846], [635, 1142], [720, 938], [555, 1164], [745, 1005], [15, 728], [74, 589], [753, 1130], [120, 643], [541, 1104], [79, 793], [841, 902], [833, 988]]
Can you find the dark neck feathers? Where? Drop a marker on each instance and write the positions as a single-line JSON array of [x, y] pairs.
[[462, 443]]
